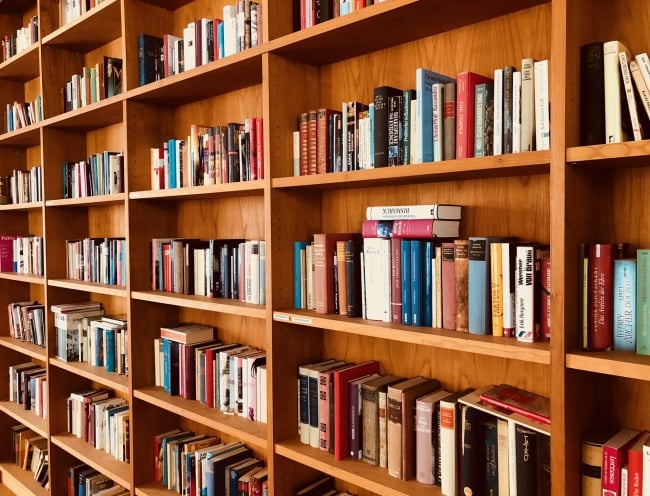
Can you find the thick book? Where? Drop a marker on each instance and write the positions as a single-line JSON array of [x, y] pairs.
[[472, 450], [427, 454], [527, 291], [342, 380], [624, 305], [325, 406], [526, 440], [424, 79], [355, 437], [324, 248], [514, 399], [600, 297], [353, 249], [149, 58], [400, 426], [617, 116], [615, 451], [643, 301], [304, 399], [380, 132], [370, 415], [188, 333], [592, 460], [377, 270], [465, 97], [479, 296], [323, 138], [461, 271], [592, 94], [433, 211]]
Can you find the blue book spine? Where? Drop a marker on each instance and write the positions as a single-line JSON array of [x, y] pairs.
[[371, 133], [625, 304], [171, 144], [209, 469], [406, 282], [424, 78], [166, 365], [427, 284], [416, 282], [479, 292], [298, 248], [109, 360], [220, 31]]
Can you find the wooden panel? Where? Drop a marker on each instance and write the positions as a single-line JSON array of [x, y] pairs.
[[58, 66]]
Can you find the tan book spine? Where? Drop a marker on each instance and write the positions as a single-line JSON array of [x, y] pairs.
[[461, 264]]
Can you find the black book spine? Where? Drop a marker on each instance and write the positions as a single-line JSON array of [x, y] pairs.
[[526, 459], [472, 458], [380, 137], [592, 94]]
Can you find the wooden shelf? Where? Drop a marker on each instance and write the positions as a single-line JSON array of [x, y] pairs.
[[19, 207], [153, 489], [23, 137], [355, 472], [499, 166], [25, 417], [627, 154], [119, 471], [22, 67], [253, 433], [616, 363], [93, 116], [88, 201], [90, 287], [201, 192], [95, 28], [97, 374], [222, 305], [19, 481], [28, 349], [28, 278], [439, 338]]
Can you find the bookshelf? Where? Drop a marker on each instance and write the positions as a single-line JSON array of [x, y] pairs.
[[569, 195]]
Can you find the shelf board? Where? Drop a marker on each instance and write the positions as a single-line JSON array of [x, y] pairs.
[[398, 21], [20, 481], [253, 433], [27, 206], [218, 77], [25, 417], [95, 28], [627, 154], [114, 199], [616, 363], [222, 305], [440, 338], [93, 116], [153, 489], [516, 164], [357, 472], [24, 137], [29, 278], [119, 471], [22, 67], [90, 287], [169, 4], [23, 347], [201, 192], [98, 374]]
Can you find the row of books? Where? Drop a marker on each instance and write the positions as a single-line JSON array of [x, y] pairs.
[[27, 322], [85, 480], [442, 118], [21, 254], [73, 9], [307, 13], [210, 155], [22, 186], [203, 41], [100, 260], [190, 463], [191, 362], [409, 426], [615, 461], [217, 268], [614, 281], [614, 93], [13, 44], [28, 387], [101, 420], [98, 82], [29, 451], [100, 174], [21, 114]]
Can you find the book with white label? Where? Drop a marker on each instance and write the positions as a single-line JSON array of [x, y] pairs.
[[434, 211]]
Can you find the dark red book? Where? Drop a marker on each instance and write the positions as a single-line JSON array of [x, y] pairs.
[[323, 139], [600, 276], [514, 399], [342, 379], [312, 141], [545, 295], [323, 254], [396, 280], [304, 143], [465, 83]]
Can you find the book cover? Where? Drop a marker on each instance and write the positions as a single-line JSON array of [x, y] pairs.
[[508, 97], [615, 451], [635, 465], [447, 266], [542, 107], [624, 305], [149, 58], [479, 284], [527, 290], [353, 248], [592, 94], [355, 438], [520, 401], [112, 76], [427, 455], [380, 132], [433, 211], [461, 272], [378, 276], [483, 100], [370, 415], [465, 97], [472, 451], [424, 79], [496, 287], [526, 440], [325, 402]]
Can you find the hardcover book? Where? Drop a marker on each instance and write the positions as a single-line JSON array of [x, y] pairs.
[[465, 98], [427, 454], [615, 451], [624, 305], [370, 412], [592, 94], [449, 125], [643, 302], [461, 271], [518, 400], [324, 248], [617, 117], [599, 308], [447, 267], [381, 97], [424, 79]]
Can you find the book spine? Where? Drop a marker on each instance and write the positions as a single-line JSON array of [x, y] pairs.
[[526, 459], [438, 103], [545, 298], [416, 282], [497, 128], [396, 280], [427, 284], [448, 279], [461, 272], [395, 137], [615, 120], [480, 109], [424, 439], [370, 425], [382, 424], [407, 295], [507, 110], [479, 310], [600, 297], [525, 294], [643, 302], [496, 287], [592, 90], [472, 462], [527, 105], [449, 125], [516, 112], [542, 116], [324, 410], [394, 434]]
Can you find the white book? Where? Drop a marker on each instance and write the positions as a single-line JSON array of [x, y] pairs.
[[205, 56], [376, 255], [497, 140], [296, 153], [415, 135], [644, 65], [229, 30], [641, 87], [516, 112], [189, 47], [433, 211], [527, 105], [344, 141], [542, 114], [261, 393], [255, 271], [612, 72], [637, 132], [438, 103]]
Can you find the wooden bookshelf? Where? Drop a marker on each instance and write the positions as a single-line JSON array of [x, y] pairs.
[[568, 195]]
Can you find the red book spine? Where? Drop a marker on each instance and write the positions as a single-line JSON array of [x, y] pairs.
[[312, 140], [396, 280], [516, 409], [615, 452], [635, 470], [465, 83], [323, 253], [304, 143], [323, 138], [413, 228], [209, 378], [545, 294], [599, 296]]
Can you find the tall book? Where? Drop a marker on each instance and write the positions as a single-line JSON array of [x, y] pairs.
[[380, 134], [370, 412], [465, 97], [424, 79], [592, 460], [472, 450], [438, 103], [427, 454], [479, 284], [447, 267], [314, 391], [395, 280], [643, 301], [526, 440], [592, 94], [624, 305], [630, 96], [497, 128], [542, 106], [615, 451], [599, 296], [449, 122], [635, 464], [325, 406], [401, 431], [483, 101], [508, 117], [461, 271], [617, 117], [450, 429], [527, 108], [378, 275], [527, 289], [496, 287], [324, 248]]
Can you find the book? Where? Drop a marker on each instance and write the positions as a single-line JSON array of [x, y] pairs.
[[326, 407], [370, 415], [637, 131], [472, 450], [395, 280], [545, 299], [483, 100], [313, 387], [410, 228], [635, 465], [465, 104], [149, 58], [112, 76], [400, 426], [615, 451], [427, 455], [526, 442], [600, 278], [520, 401], [424, 79], [497, 128], [304, 398], [381, 129], [527, 291], [355, 438], [617, 123], [438, 110], [479, 296], [324, 248], [624, 305], [434, 211], [508, 117], [642, 301], [447, 267], [527, 105], [449, 124], [542, 107], [377, 270], [187, 333], [461, 268], [496, 287]]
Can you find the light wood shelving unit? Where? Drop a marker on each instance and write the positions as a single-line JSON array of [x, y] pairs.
[[565, 196]]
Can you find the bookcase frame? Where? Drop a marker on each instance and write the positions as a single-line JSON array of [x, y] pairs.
[[568, 195]]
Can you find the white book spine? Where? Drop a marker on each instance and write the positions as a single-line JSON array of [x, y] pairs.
[[527, 105], [613, 111], [438, 101], [516, 112], [644, 65], [497, 141], [525, 294], [639, 82], [189, 47], [229, 30], [637, 132], [542, 115]]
